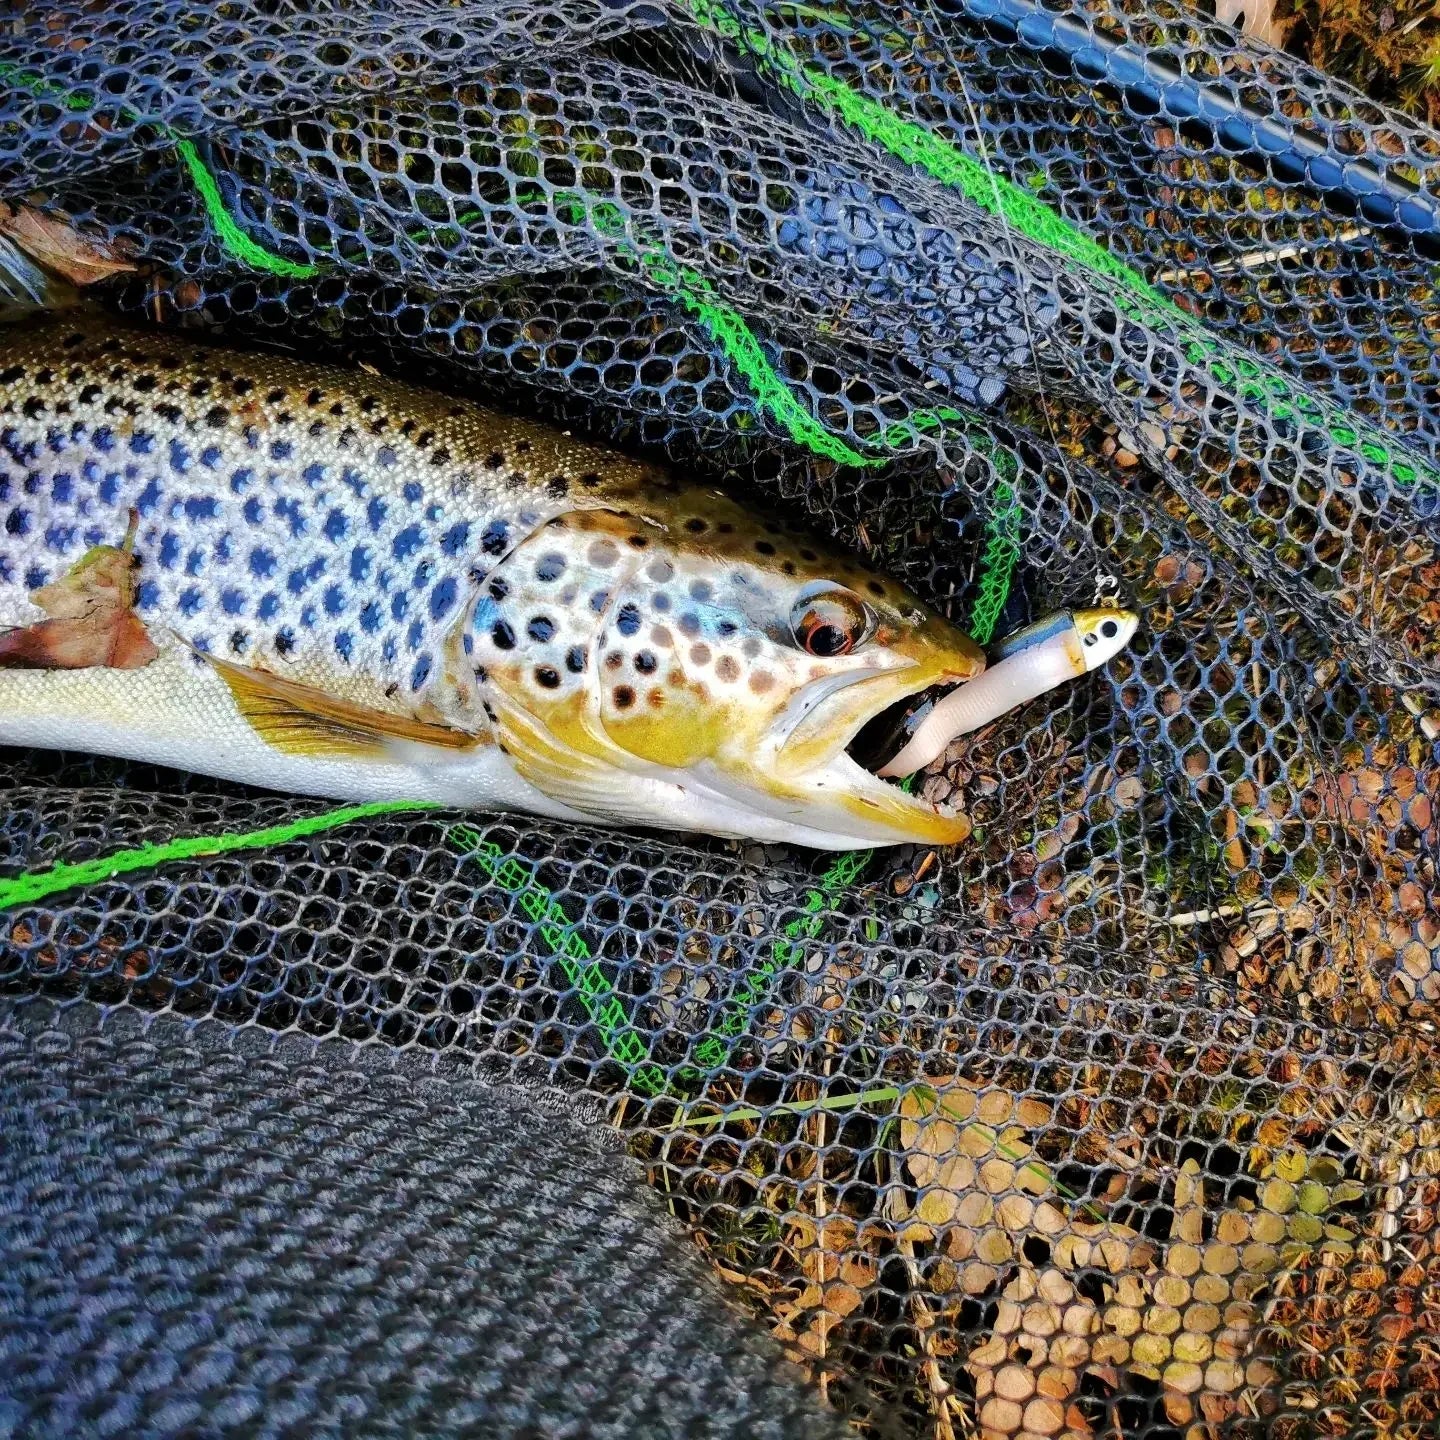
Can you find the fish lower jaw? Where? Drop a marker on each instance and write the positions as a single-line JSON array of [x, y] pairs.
[[890, 815]]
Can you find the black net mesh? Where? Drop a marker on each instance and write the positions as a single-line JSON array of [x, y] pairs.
[[451, 1257], [1121, 1117]]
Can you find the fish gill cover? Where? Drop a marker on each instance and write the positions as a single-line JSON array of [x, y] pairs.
[[1121, 1118]]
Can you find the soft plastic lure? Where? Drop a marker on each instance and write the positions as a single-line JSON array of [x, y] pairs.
[[1059, 648]]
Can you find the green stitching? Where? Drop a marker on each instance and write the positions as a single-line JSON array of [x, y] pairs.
[[604, 1006], [27, 889], [714, 1049], [999, 196], [732, 333], [997, 562], [234, 239]]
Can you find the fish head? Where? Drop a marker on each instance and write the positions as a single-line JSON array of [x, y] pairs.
[[689, 644]]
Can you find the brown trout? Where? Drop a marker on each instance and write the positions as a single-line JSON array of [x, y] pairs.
[[318, 581]]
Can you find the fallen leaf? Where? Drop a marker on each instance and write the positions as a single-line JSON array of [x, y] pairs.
[[92, 621], [56, 244]]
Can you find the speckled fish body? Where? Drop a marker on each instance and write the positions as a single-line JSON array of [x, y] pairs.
[[358, 589]]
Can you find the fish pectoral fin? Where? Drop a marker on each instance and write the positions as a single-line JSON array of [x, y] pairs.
[[300, 719]]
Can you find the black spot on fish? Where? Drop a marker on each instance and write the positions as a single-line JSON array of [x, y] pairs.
[[90, 394], [547, 677], [239, 639], [523, 447], [493, 541], [628, 620], [809, 556], [550, 567], [216, 415], [590, 479], [242, 386], [144, 383], [689, 625], [541, 628], [441, 456], [503, 636], [661, 602], [764, 547], [875, 587], [494, 460], [696, 526], [645, 662], [314, 397], [32, 407], [284, 642], [624, 697], [557, 488], [725, 528], [167, 411], [499, 589], [275, 396], [11, 373], [575, 659], [700, 590], [787, 567], [639, 541], [599, 600]]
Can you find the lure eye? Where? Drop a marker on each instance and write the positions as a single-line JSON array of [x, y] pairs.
[[831, 623]]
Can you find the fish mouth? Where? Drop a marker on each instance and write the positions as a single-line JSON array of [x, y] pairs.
[[873, 727], [886, 733]]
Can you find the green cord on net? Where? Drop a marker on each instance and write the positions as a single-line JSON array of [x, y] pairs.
[[1279, 397], [40, 884]]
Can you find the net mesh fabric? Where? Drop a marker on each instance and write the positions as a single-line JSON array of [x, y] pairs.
[[1123, 1113], [450, 1251]]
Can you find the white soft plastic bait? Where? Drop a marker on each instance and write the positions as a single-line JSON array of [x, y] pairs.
[[1032, 661]]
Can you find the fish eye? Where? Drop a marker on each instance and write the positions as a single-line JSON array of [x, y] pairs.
[[1109, 629], [832, 622]]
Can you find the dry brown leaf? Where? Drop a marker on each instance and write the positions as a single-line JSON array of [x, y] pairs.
[[838, 1273], [957, 1137], [92, 618], [58, 246]]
